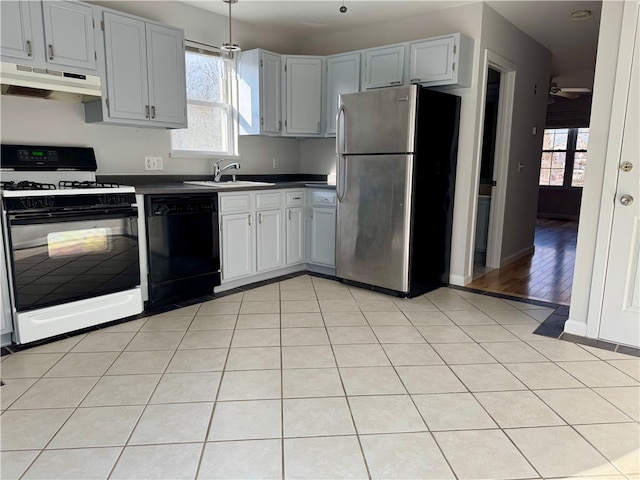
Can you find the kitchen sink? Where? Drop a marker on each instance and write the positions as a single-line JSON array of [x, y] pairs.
[[237, 183]]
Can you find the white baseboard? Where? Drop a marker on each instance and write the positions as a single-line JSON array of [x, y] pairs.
[[575, 327], [460, 280]]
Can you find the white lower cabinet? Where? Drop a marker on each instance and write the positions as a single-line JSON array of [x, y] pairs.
[[237, 245], [322, 228], [268, 233], [261, 234]]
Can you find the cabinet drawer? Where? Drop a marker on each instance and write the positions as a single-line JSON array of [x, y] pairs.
[[268, 200], [323, 198], [240, 202], [295, 198]]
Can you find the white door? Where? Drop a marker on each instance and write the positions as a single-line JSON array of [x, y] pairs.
[[343, 76], [620, 321], [126, 54], [432, 60], [269, 240], [294, 236], [68, 31], [165, 60], [323, 236], [16, 36], [237, 245], [303, 78], [270, 86], [384, 67]]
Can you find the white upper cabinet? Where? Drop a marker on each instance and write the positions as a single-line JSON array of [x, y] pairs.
[[295, 96], [303, 95], [260, 88], [19, 25], [384, 67], [145, 70], [46, 34], [69, 34], [343, 76], [166, 70], [444, 60]]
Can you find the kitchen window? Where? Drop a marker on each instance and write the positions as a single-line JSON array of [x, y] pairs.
[[564, 157], [211, 105]]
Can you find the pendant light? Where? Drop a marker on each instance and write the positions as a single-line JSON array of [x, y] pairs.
[[230, 47]]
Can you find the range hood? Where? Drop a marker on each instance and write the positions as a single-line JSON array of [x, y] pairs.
[[25, 80]]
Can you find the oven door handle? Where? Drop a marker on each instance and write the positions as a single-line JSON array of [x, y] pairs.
[[75, 216]]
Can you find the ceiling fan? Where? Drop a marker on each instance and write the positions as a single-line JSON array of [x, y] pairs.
[[565, 92]]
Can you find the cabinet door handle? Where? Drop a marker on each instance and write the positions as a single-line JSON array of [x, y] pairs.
[[279, 125], [260, 218], [153, 111], [29, 50], [50, 52], [289, 214], [146, 111], [249, 219], [397, 82], [414, 80], [318, 127]]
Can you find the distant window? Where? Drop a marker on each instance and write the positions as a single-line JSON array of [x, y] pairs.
[[211, 110], [564, 157]]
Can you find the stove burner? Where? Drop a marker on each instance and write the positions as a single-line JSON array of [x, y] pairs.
[[85, 184], [27, 185]]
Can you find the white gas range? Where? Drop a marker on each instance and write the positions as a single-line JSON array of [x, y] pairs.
[[71, 244]]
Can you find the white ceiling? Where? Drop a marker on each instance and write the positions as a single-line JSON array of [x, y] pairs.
[[572, 43]]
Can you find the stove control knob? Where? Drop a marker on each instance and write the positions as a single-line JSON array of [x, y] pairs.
[[29, 202], [46, 202]]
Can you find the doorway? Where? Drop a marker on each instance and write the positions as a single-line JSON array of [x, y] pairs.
[[486, 182], [498, 83]]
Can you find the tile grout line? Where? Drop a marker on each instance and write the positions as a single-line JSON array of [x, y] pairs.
[[153, 391], [215, 400], [346, 395]]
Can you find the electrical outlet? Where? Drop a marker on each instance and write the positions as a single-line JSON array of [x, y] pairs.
[[275, 163], [153, 163]]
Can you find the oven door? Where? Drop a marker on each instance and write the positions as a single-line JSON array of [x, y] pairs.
[[58, 258]]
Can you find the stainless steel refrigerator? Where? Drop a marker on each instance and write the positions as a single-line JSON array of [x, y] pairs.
[[396, 167]]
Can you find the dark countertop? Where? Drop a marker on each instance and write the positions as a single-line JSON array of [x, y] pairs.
[[169, 184]]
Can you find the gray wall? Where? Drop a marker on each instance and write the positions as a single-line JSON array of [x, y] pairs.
[[521, 200]]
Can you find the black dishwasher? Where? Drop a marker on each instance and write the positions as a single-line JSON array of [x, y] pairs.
[[183, 247]]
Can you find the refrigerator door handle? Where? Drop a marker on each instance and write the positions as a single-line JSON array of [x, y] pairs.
[[341, 184]]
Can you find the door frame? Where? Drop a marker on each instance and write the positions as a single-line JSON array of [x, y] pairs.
[[508, 71]]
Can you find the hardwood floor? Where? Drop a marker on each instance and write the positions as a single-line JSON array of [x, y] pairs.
[[546, 275]]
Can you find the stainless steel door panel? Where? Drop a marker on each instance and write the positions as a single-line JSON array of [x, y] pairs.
[[377, 121], [374, 221]]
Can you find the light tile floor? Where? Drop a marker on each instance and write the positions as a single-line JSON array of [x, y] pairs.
[[309, 378]]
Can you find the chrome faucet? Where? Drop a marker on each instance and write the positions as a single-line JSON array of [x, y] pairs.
[[218, 172]]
